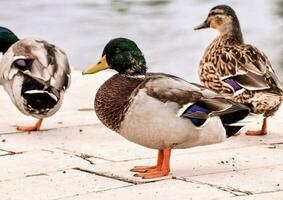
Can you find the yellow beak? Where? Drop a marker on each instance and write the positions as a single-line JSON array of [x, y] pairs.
[[99, 66]]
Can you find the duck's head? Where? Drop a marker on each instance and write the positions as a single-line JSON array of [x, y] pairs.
[[7, 38], [122, 55], [222, 18]]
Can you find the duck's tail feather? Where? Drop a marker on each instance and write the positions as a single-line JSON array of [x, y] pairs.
[[232, 130], [228, 111], [248, 120]]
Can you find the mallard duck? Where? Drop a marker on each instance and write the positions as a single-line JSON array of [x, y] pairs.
[[159, 111], [35, 75], [237, 70]]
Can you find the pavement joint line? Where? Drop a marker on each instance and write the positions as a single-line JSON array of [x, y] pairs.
[[93, 192], [79, 154], [47, 150], [9, 153], [29, 151], [50, 129], [37, 174], [86, 158], [258, 193], [224, 188], [119, 178], [126, 186], [239, 170], [275, 143]]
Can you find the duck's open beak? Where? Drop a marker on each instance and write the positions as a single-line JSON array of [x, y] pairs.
[[99, 66], [201, 26]]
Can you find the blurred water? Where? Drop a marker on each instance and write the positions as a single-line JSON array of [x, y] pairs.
[[163, 29]]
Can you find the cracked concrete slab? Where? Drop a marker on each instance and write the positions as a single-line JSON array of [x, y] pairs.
[[223, 161], [168, 189], [261, 196], [250, 181], [35, 162], [56, 185], [200, 163]]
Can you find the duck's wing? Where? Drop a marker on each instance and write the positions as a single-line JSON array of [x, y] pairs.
[[195, 101], [244, 66], [47, 63]]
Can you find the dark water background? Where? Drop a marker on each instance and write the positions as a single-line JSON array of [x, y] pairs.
[[163, 29]]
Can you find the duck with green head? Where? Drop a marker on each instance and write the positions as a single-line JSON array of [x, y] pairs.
[[159, 111], [35, 74], [237, 70]]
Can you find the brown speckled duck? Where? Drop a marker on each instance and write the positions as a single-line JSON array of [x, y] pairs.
[[237, 70], [159, 111]]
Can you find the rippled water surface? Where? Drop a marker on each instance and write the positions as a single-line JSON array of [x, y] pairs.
[[162, 29]]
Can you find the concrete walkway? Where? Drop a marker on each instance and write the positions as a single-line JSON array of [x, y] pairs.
[[75, 157]]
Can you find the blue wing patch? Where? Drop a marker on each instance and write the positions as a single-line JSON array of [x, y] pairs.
[[233, 84], [197, 121]]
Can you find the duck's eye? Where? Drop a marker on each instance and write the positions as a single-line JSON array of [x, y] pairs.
[[22, 64]]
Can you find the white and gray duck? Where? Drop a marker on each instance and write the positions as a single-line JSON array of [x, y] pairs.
[[159, 111], [35, 74]]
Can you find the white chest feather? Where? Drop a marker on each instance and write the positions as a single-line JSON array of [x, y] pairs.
[[154, 124]]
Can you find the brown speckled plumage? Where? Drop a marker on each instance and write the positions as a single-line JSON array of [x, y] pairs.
[[229, 57], [113, 99]]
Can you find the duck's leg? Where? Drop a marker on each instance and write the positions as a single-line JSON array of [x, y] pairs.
[[36, 127], [155, 167], [165, 167], [263, 130]]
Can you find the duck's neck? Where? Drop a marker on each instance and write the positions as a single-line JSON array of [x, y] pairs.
[[135, 70], [232, 33]]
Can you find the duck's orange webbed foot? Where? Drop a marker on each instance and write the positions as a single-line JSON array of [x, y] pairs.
[[36, 127], [161, 169], [256, 133], [154, 174], [263, 130], [144, 168]]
